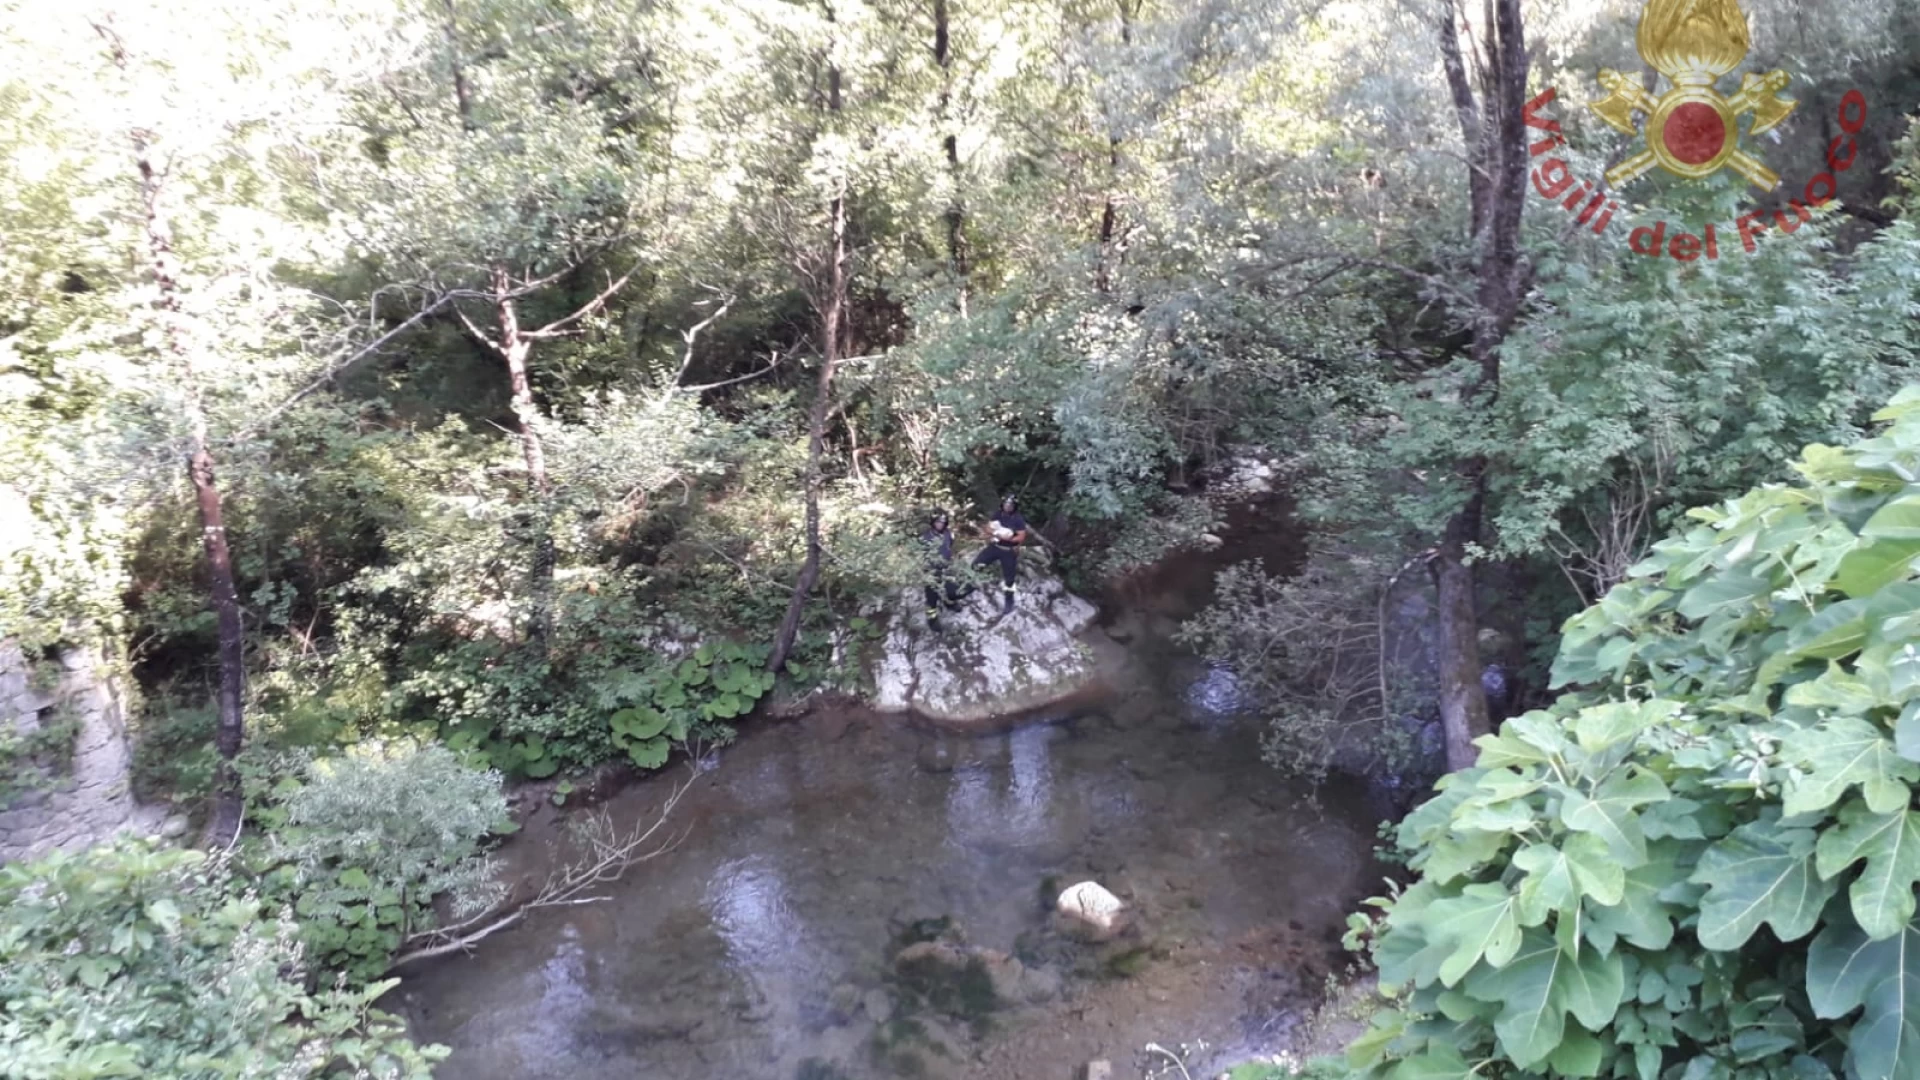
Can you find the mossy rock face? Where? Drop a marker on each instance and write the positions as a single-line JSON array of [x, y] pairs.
[[815, 1069]]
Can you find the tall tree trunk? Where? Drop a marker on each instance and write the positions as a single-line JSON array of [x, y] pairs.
[[956, 213], [1463, 699], [1494, 132], [515, 348], [832, 311], [462, 90], [1110, 206], [1109, 218], [224, 823]]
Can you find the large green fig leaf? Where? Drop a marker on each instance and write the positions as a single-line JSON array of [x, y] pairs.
[[1761, 873], [1439, 1062], [1882, 896], [1603, 726], [1539, 987], [1836, 631], [1840, 753], [1558, 877], [1482, 921], [1609, 813], [1641, 918], [1723, 591], [1847, 969], [1893, 535]]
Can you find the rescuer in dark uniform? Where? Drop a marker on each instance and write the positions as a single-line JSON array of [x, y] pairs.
[[938, 541], [1009, 531]]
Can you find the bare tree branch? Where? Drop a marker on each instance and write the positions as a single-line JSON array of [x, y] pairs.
[[478, 335], [609, 854], [688, 335], [333, 372], [772, 363], [553, 328]]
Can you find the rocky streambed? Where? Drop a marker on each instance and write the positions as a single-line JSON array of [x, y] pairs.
[[866, 896]]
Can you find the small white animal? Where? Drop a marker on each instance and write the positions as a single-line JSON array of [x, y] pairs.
[[1001, 532]]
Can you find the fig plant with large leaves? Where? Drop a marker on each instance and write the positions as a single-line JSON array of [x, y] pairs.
[[1700, 863]]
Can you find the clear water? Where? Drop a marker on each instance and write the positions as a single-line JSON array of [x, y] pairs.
[[760, 946]]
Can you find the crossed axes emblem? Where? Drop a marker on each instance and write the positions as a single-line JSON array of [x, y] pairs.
[[1692, 130]]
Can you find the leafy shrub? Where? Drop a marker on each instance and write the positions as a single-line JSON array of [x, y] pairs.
[[130, 960], [643, 711], [1169, 525], [717, 683], [173, 751], [1313, 656], [30, 761], [371, 839], [1703, 866]]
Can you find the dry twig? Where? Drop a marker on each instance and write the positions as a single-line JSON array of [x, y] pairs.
[[610, 853]]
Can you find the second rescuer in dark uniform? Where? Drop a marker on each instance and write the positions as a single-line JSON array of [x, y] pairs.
[[1009, 531]]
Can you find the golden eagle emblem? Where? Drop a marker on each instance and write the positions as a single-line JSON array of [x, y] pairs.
[[1692, 130]]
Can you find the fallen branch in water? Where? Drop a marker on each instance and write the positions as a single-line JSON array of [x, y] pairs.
[[609, 854], [1156, 1048]]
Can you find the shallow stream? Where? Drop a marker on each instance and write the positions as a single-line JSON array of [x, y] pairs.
[[761, 947]]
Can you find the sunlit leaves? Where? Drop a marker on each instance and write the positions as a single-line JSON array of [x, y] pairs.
[[1481, 923], [131, 960], [1762, 874], [1610, 813], [1557, 878], [1840, 754], [1893, 540], [1882, 895], [1695, 812]]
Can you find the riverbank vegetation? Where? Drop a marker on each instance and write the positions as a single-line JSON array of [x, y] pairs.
[[1694, 862], [415, 396]]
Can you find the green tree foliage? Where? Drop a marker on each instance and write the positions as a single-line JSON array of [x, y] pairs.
[[127, 960], [1318, 655], [1697, 863], [413, 817], [362, 845]]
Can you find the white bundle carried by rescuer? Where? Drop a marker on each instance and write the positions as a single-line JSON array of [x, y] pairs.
[[1001, 532]]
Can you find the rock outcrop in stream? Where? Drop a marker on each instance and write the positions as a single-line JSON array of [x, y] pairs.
[[982, 664]]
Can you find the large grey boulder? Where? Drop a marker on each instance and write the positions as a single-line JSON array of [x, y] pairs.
[[982, 664]]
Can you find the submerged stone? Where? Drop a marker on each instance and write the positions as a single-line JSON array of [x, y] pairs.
[[949, 978], [1090, 911]]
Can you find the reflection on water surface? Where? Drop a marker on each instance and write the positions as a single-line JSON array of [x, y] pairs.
[[761, 943]]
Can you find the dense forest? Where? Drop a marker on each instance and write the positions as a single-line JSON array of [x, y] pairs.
[[415, 400]]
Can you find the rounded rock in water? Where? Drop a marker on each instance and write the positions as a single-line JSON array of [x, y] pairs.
[[1091, 911]]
